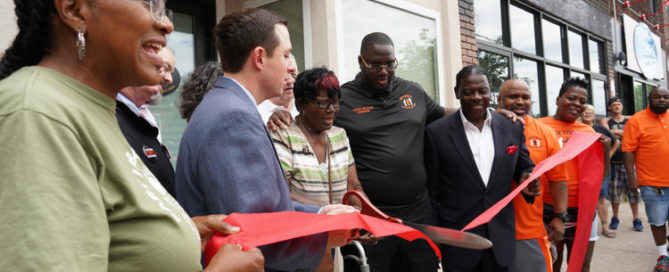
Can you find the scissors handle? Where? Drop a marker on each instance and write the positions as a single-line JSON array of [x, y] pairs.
[[368, 208]]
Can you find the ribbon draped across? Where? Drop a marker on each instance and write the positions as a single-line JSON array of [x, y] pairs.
[[266, 228], [257, 229], [591, 170]]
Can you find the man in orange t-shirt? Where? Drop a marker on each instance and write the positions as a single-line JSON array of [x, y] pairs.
[[532, 241], [646, 145]]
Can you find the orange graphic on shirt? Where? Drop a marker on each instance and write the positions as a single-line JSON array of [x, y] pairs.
[[362, 110], [407, 101]]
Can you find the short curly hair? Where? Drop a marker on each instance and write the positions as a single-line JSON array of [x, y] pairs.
[[573, 82], [310, 81], [200, 81]]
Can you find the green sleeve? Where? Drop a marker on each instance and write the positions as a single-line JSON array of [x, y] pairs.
[[53, 216]]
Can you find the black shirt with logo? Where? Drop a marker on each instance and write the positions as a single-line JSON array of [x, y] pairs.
[[385, 130]]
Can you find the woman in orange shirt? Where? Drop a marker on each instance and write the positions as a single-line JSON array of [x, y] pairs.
[[571, 102]]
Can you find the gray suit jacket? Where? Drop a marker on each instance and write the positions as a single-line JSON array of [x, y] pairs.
[[227, 163]]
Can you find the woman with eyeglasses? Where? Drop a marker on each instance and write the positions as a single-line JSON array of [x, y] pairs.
[[75, 196], [315, 155]]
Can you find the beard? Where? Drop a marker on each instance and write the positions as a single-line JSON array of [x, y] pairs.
[[658, 109], [155, 99]]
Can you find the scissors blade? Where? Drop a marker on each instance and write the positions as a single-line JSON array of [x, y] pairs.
[[452, 237]]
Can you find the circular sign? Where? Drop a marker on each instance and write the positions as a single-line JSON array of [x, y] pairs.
[[645, 50]]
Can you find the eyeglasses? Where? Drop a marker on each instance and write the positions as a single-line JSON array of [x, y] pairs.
[[324, 104], [158, 11], [377, 67]]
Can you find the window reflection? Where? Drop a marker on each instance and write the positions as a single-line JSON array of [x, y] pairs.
[[522, 29], [575, 49], [526, 70], [595, 58], [639, 97], [599, 97], [554, 80], [488, 21], [552, 40], [497, 67]]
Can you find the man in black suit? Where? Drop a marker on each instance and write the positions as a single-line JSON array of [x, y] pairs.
[[472, 157]]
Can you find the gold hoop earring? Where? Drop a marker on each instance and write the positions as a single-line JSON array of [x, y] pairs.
[[81, 45]]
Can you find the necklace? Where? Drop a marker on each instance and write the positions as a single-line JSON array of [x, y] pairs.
[[325, 168]]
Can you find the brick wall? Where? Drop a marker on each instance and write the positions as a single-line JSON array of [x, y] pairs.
[[467, 35]]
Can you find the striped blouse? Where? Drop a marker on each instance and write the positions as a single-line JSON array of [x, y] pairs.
[[304, 173]]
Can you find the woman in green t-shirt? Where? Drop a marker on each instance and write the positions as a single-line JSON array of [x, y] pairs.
[[75, 196]]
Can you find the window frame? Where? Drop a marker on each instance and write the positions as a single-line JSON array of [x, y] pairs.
[[539, 16]]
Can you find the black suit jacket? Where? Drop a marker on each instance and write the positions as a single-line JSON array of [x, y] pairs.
[[457, 190], [142, 138]]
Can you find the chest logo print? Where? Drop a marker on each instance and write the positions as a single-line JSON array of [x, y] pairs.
[[535, 142], [362, 110], [407, 101]]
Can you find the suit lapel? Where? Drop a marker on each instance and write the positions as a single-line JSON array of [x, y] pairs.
[[497, 135], [461, 144]]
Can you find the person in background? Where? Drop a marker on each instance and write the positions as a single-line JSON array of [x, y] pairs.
[[167, 79], [286, 100], [646, 149], [139, 127], [227, 162], [200, 81], [532, 240], [76, 197], [588, 118], [618, 182], [571, 100]]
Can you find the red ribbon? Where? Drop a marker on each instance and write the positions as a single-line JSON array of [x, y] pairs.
[[257, 229], [591, 169]]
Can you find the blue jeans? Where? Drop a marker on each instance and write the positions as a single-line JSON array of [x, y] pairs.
[[657, 204]]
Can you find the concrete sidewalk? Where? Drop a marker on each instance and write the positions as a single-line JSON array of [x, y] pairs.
[[630, 250]]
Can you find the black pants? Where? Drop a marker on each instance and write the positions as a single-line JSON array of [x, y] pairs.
[[396, 254], [487, 263]]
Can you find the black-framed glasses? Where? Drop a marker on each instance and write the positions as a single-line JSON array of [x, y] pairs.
[[377, 67], [324, 104]]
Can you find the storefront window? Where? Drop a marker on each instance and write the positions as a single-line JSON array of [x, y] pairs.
[[497, 67], [575, 49], [554, 80], [639, 97], [526, 70], [488, 21], [522, 29], [414, 37], [552, 40], [595, 56], [168, 119], [292, 10], [599, 96]]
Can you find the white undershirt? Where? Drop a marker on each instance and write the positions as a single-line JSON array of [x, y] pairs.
[[481, 144]]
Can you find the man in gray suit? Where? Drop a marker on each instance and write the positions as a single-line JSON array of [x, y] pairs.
[[227, 162]]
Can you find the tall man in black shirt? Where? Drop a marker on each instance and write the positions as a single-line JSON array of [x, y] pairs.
[[385, 117]]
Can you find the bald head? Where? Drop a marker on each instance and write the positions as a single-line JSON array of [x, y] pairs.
[[515, 96], [658, 100]]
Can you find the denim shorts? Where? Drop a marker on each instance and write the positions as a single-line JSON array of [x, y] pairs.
[[657, 204], [604, 191]]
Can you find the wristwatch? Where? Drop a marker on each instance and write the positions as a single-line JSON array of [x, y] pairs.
[[564, 216]]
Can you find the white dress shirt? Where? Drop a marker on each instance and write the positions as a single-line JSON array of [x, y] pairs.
[[267, 107], [482, 145]]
